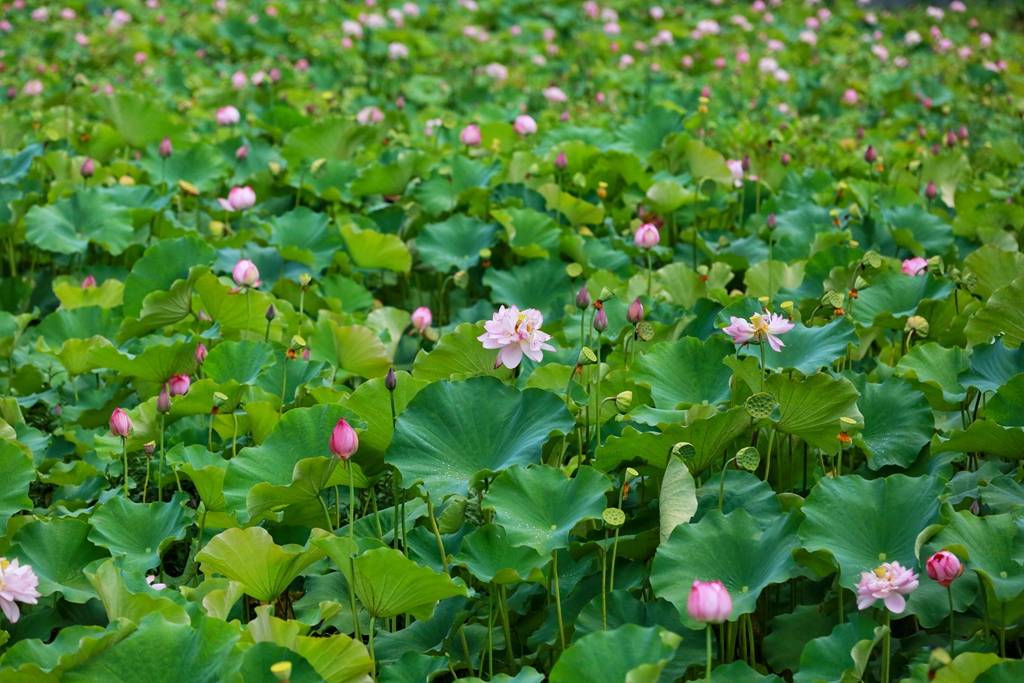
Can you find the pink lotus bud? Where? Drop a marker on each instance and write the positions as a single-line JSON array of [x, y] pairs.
[[850, 97], [201, 353], [228, 116], [785, 159], [772, 222], [930, 191], [709, 602], [88, 282], [962, 133], [246, 274], [601, 320], [179, 384], [166, 149], [582, 298], [163, 402], [944, 567], [635, 312], [239, 80], [271, 313], [242, 153], [88, 168], [705, 91], [120, 423], [344, 440], [422, 318], [305, 353], [390, 380], [470, 135], [950, 139], [647, 236], [870, 155], [561, 161], [914, 266], [239, 199], [525, 125]]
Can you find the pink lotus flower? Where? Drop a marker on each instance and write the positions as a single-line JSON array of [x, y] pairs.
[[154, 584], [88, 282], [201, 353], [242, 153], [163, 402], [516, 333], [525, 125], [422, 318], [239, 80], [246, 274], [889, 583], [228, 116], [914, 266], [33, 88], [120, 423], [850, 97], [397, 51], [759, 328], [635, 312], [166, 148], [647, 236], [178, 385], [344, 440], [368, 116], [709, 602], [555, 94], [239, 199], [470, 135], [736, 170], [944, 567], [17, 584]]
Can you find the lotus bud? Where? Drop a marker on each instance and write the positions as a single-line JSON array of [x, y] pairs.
[[623, 401], [166, 148], [772, 221], [178, 385], [344, 441], [390, 380], [944, 567], [163, 402], [582, 298], [635, 312], [870, 155], [561, 161], [271, 313], [600, 320], [120, 423], [88, 168], [785, 159], [201, 353], [709, 602], [930, 191]]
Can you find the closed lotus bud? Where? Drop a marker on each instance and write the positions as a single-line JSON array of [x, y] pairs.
[[120, 423], [201, 353], [88, 168], [709, 602], [785, 159], [944, 567], [271, 313], [344, 440], [635, 312], [600, 320], [623, 401], [422, 319], [178, 385], [163, 402], [950, 139], [305, 353], [745, 163], [166, 148], [582, 298], [930, 191], [246, 274], [772, 221], [88, 282], [242, 153], [870, 155], [390, 380], [962, 133], [561, 161]]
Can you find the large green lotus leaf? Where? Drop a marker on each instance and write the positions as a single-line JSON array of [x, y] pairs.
[[80, 323], [719, 547], [309, 478], [200, 165], [740, 672], [120, 603], [684, 286], [59, 550], [610, 656], [829, 658], [204, 469], [260, 657], [239, 361], [388, 583], [784, 276], [243, 312], [919, 231], [17, 472], [992, 267], [138, 118], [302, 433], [790, 632], [387, 178], [526, 675], [709, 436], [668, 195], [162, 308], [796, 230], [1006, 671], [108, 294], [372, 402], [79, 356], [936, 367], [538, 505], [811, 407], [677, 500], [71, 224], [898, 422], [984, 436], [159, 361], [372, 249], [687, 371], [880, 519], [1002, 315], [33, 659], [1004, 407], [896, 295], [350, 295], [490, 557], [992, 545], [541, 284], [250, 557], [355, 349], [530, 233], [14, 167], [809, 348], [457, 355], [743, 491], [706, 163], [138, 533], [331, 138], [454, 433], [164, 652], [577, 211], [306, 236], [455, 243]]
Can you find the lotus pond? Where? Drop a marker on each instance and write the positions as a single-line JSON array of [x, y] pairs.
[[511, 341]]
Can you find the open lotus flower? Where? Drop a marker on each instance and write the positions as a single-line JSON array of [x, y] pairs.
[[516, 333], [18, 583], [889, 582], [914, 266], [228, 116], [759, 328], [238, 199]]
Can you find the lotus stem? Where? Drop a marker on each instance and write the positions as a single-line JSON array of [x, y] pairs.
[[707, 666], [163, 458], [649, 273], [558, 598], [503, 610], [952, 636], [124, 458], [373, 657], [437, 534], [886, 646]]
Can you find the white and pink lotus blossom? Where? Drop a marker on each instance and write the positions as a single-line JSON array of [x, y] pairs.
[[516, 334], [914, 266], [889, 582], [18, 583], [238, 199], [759, 328]]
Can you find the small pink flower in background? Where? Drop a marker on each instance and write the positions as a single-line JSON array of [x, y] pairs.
[[686, 62], [422, 319], [431, 126], [647, 236], [470, 135], [985, 41], [397, 51], [656, 13], [635, 312], [935, 13], [709, 602], [178, 385], [736, 170], [516, 333], [944, 567], [6, 27], [246, 274], [914, 266], [912, 38], [239, 80], [166, 148], [18, 583], [201, 353], [561, 161], [850, 97], [154, 584], [497, 71], [368, 116], [89, 282], [555, 95], [239, 199], [41, 14], [957, 6], [120, 423], [141, 57], [228, 116], [33, 87], [759, 328], [242, 153], [344, 441], [525, 125], [889, 582], [163, 402]]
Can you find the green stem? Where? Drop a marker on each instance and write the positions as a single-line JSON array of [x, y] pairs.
[[886, 647], [234, 434], [604, 584], [163, 459], [145, 482], [352, 593], [284, 385], [124, 458], [351, 505], [597, 397], [649, 273], [558, 599], [615, 552], [768, 455], [373, 657], [764, 369], [707, 667], [503, 609], [952, 636], [437, 534], [1002, 629]]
